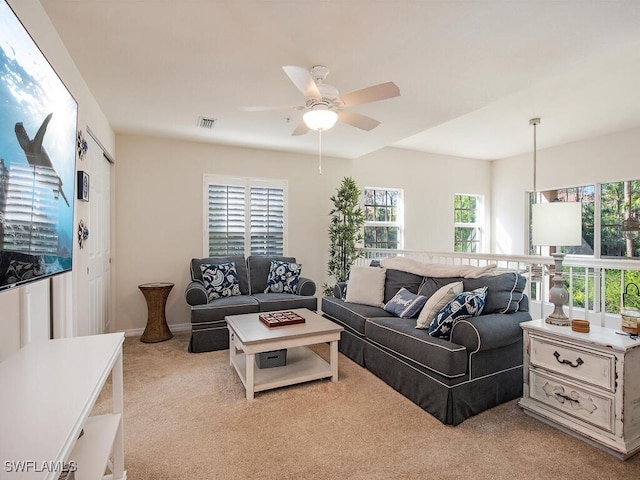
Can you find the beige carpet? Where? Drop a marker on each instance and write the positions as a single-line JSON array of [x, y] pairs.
[[186, 417]]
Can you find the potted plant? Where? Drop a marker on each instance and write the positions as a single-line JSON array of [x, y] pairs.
[[345, 231]]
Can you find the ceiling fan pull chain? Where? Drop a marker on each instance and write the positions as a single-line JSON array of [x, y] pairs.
[[320, 151]]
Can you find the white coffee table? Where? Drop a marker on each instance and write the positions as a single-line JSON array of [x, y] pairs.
[[249, 336]]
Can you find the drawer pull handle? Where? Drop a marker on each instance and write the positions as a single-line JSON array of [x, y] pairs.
[[567, 398], [579, 361], [574, 399]]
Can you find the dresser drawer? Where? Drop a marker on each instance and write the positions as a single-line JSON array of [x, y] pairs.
[[589, 406], [574, 362]]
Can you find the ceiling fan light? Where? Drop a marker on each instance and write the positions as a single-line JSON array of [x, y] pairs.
[[320, 119]]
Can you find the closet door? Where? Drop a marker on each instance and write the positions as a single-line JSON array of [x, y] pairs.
[[99, 245]]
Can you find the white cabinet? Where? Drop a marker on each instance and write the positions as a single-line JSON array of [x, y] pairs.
[[47, 391], [586, 384]]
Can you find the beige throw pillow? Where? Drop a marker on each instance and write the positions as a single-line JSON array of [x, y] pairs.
[[436, 302], [366, 286]]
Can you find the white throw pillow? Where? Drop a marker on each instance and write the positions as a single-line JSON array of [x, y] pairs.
[[366, 286], [436, 302]]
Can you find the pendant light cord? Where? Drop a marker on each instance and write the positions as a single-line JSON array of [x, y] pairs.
[[534, 159], [535, 122]]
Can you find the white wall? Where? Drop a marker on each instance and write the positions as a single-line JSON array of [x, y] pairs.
[[606, 158], [36, 21], [160, 201], [430, 183]]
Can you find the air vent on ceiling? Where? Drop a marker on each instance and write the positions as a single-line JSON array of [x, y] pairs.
[[204, 122]]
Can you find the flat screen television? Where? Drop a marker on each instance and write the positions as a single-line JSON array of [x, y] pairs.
[[38, 122]]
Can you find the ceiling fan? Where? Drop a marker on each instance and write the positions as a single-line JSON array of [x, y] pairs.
[[324, 105]]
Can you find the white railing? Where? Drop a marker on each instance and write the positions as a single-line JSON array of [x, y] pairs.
[[587, 278]]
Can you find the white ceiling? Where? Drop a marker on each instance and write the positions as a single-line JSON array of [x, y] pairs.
[[471, 73]]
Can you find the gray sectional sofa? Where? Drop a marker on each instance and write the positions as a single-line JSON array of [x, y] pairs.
[[208, 326], [479, 367]]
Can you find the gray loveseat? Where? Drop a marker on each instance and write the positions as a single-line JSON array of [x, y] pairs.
[[479, 367], [208, 326]]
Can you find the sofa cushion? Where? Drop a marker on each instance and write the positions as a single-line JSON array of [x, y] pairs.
[[366, 286], [259, 267], [437, 302], [464, 305], [270, 302], [402, 338], [397, 279], [222, 307], [283, 277], [432, 284], [504, 294], [220, 280], [351, 315], [405, 304], [238, 260]]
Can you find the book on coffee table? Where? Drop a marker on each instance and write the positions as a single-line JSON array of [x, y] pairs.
[[278, 319]]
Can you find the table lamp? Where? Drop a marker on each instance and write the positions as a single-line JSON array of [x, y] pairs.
[[557, 224]]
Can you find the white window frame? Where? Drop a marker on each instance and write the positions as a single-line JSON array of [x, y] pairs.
[[478, 224], [247, 183], [399, 223]]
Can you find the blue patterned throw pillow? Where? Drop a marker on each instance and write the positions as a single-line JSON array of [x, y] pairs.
[[220, 280], [463, 305], [283, 277], [405, 304]]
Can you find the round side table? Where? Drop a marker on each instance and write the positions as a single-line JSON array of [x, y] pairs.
[[156, 296]]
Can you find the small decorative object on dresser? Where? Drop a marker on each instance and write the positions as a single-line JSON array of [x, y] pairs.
[[585, 384], [630, 311]]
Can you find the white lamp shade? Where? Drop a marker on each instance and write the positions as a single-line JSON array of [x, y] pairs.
[[320, 119], [557, 224]]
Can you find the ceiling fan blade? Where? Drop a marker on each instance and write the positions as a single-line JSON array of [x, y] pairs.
[[358, 120], [266, 108], [303, 80], [375, 93], [301, 129]]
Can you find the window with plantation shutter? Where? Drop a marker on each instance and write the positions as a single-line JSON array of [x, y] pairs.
[[244, 216]]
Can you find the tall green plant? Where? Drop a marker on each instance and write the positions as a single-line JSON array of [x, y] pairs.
[[345, 231]]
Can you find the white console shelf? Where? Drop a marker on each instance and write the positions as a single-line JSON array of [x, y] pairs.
[[47, 391]]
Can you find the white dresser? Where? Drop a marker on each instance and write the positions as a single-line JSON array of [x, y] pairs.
[[47, 392], [586, 384]]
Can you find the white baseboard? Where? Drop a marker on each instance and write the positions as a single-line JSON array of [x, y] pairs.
[[137, 332]]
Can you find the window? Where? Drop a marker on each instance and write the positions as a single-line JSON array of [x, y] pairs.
[[383, 218], [467, 223], [619, 202], [244, 216]]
